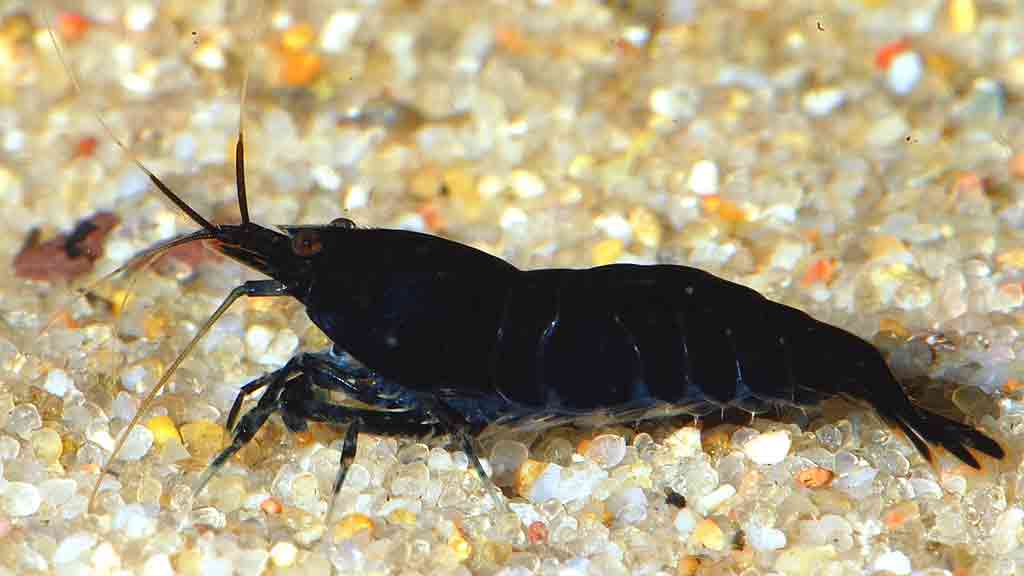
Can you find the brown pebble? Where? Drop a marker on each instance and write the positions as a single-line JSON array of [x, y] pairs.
[[816, 477], [537, 532], [899, 514], [527, 474], [271, 506], [66, 256], [716, 441], [673, 498], [709, 535], [351, 525], [1017, 166], [688, 566]]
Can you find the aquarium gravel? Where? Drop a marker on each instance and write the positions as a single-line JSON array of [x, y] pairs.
[[860, 160]]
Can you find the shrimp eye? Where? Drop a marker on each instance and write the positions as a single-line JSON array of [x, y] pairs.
[[343, 223], [306, 243]]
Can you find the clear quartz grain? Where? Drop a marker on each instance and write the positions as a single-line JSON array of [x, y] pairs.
[[134, 522], [358, 478], [440, 459], [846, 462], [73, 546], [413, 453], [741, 436], [324, 465], [6, 405], [9, 448], [558, 450], [732, 467], [768, 448], [830, 529], [137, 444], [629, 505], [895, 463], [645, 445], [23, 420], [20, 499], [57, 492], [305, 492], [506, 458], [607, 450], [830, 437], [410, 480], [210, 517], [46, 444], [700, 479]]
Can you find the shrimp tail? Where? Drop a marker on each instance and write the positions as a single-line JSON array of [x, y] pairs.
[[925, 428]]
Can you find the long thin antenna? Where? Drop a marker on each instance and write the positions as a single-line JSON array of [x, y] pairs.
[[138, 261], [243, 203], [147, 402], [152, 252], [192, 214]]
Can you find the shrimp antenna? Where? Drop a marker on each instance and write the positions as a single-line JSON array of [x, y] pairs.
[[151, 396], [243, 205], [136, 262], [209, 231], [181, 204]]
